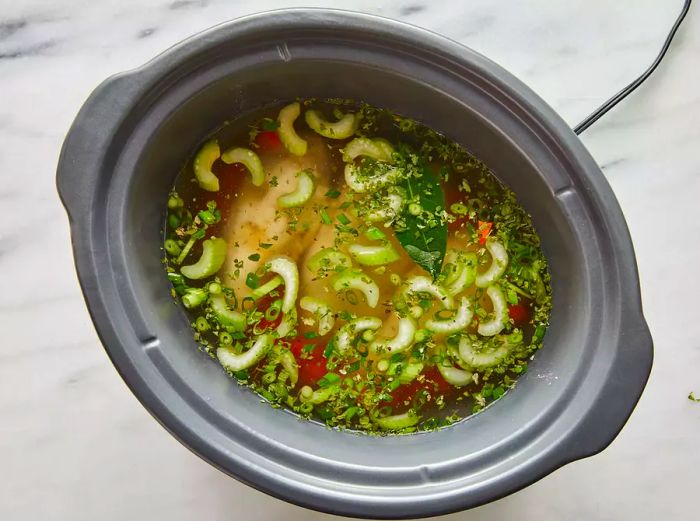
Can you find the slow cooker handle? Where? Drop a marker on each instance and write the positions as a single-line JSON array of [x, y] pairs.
[[86, 148]]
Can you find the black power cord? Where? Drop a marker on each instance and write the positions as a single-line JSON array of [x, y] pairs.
[[605, 107]]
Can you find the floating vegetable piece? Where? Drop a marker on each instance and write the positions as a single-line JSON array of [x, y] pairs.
[[398, 421], [424, 234], [234, 362], [249, 159], [402, 341], [356, 279], [301, 193], [229, 318], [500, 313], [289, 137], [378, 149], [499, 261], [461, 319], [347, 333], [341, 129], [321, 311], [203, 162], [213, 257], [328, 259], [487, 356]]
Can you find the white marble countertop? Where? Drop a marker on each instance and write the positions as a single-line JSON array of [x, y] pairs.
[[76, 445]]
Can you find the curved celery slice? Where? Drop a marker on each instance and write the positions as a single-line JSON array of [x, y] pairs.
[[341, 129], [301, 194], [454, 376], [398, 421], [287, 269], [203, 162], [457, 323], [347, 333], [394, 203], [500, 313], [422, 284], [356, 279], [328, 259], [213, 257], [465, 274], [374, 255], [308, 395], [361, 184], [499, 261], [322, 312], [289, 137], [378, 149], [485, 358], [289, 364], [237, 362], [402, 341], [387, 148], [249, 159], [224, 315]]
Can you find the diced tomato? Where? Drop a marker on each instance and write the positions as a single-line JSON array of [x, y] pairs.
[[404, 393], [268, 140], [520, 313], [433, 376], [312, 367], [484, 230]]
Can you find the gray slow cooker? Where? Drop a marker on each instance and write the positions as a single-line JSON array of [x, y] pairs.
[[136, 130]]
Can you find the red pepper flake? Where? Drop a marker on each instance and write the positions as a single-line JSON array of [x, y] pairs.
[[484, 230]]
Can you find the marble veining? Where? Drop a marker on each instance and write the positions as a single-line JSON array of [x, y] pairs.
[[76, 445]]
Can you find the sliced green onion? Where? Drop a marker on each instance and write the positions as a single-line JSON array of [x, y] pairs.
[[201, 324], [173, 221], [289, 137], [402, 341], [415, 209], [214, 288], [213, 257], [266, 288], [172, 248], [356, 279], [194, 297], [224, 315], [237, 362], [322, 312], [453, 325], [346, 335], [272, 312], [203, 162], [308, 396], [175, 202], [249, 159], [499, 261], [325, 217], [302, 192], [500, 313], [341, 129], [374, 255]]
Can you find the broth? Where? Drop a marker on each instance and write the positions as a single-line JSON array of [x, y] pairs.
[[356, 266]]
